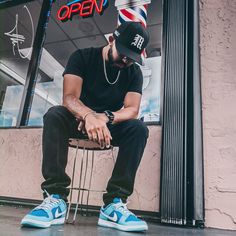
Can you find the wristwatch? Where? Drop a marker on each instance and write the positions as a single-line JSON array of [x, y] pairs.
[[109, 115]]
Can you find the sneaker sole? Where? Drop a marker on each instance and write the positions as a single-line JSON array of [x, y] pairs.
[[41, 224], [114, 225]]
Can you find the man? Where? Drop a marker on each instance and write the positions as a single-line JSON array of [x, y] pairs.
[[101, 97]]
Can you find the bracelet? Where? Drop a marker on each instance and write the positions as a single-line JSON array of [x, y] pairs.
[[90, 112]]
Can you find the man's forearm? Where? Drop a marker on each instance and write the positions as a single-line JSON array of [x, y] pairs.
[[125, 114], [76, 106]]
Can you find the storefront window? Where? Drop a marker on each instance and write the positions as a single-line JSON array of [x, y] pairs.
[[18, 26], [64, 37]]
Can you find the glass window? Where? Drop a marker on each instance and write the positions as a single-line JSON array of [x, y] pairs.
[[17, 32], [150, 104], [64, 37]]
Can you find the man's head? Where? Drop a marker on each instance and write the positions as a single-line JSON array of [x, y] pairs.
[[131, 38]]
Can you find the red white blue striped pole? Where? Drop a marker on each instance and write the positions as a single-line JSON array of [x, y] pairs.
[[133, 10]]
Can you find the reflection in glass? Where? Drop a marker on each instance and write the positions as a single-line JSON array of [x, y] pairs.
[[17, 32], [150, 104], [48, 89]]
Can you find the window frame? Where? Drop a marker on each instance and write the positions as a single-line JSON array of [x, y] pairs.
[[31, 78], [30, 83]]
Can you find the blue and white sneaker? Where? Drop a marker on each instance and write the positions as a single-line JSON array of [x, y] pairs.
[[117, 216], [51, 211]]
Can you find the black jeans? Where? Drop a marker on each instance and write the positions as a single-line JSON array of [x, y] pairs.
[[60, 125]]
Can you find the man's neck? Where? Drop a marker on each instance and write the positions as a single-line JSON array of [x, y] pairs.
[[105, 52]]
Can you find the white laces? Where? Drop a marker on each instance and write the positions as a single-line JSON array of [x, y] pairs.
[[48, 203], [122, 207]]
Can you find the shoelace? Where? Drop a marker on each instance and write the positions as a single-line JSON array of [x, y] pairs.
[[123, 208], [48, 203]]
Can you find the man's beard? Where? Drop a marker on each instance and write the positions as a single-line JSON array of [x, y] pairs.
[[111, 60], [110, 57]]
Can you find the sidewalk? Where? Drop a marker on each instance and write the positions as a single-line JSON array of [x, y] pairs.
[[10, 218]]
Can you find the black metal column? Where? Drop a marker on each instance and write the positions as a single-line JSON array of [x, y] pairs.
[[31, 78], [181, 168], [198, 213]]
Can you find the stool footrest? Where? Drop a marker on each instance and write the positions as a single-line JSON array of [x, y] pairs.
[[90, 190]]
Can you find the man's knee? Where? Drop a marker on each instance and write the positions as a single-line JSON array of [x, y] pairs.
[[53, 112], [139, 127]]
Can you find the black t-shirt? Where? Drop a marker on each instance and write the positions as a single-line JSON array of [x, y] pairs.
[[96, 92]]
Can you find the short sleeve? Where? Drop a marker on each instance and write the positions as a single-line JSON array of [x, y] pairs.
[[137, 81], [75, 64]]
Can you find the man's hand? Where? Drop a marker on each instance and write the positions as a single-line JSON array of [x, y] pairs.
[[81, 127], [102, 117], [96, 128]]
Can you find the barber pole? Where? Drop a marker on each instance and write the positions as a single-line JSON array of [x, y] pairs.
[[138, 14], [133, 10]]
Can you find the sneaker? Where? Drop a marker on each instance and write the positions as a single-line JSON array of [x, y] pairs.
[[52, 211], [117, 216]]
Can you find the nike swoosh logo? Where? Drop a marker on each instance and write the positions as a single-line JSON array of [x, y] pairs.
[[58, 214], [112, 218]]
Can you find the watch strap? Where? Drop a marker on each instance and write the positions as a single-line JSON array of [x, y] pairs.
[[109, 115]]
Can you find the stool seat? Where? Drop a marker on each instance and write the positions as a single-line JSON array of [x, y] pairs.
[[86, 144]]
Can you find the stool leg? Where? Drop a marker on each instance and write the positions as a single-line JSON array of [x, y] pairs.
[[112, 153], [72, 185], [90, 181], [85, 177], [79, 188]]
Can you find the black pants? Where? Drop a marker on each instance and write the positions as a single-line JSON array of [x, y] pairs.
[[60, 125]]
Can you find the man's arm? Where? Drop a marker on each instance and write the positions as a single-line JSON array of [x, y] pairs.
[[131, 108], [95, 126], [72, 86]]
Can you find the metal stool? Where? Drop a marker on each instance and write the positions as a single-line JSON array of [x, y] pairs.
[[86, 145]]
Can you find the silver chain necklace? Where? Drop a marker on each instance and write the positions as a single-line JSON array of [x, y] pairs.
[[105, 73]]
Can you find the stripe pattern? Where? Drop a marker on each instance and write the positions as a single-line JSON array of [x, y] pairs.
[[136, 14]]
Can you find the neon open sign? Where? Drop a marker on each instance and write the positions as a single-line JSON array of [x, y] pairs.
[[84, 8]]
